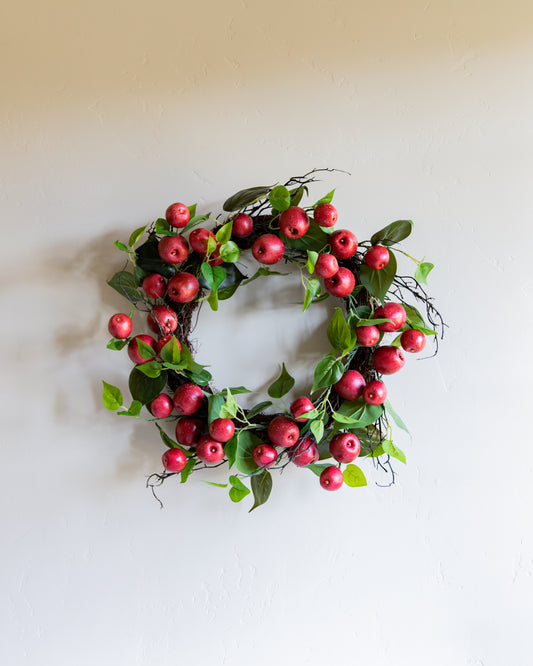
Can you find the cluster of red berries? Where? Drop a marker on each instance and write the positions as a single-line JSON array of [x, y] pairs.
[[283, 431]]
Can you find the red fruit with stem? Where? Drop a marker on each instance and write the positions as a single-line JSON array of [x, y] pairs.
[[375, 392], [325, 215], [341, 284], [198, 239], [331, 478], [326, 265], [413, 341], [173, 249], [162, 406], [209, 450], [120, 326], [264, 455], [268, 249], [222, 429], [162, 320], [300, 407], [345, 447], [350, 385], [177, 215], [343, 244], [243, 225], [163, 341], [183, 288], [304, 453], [388, 360], [133, 348], [154, 285], [293, 222], [189, 430], [367, 336], [283, 431], [174, 460], [393, 311], [377, 257], [188, 399]]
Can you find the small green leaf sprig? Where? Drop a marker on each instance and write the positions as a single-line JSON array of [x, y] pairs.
[[219, 278]]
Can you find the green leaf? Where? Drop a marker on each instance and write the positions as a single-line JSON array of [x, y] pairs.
[[236, 390], [314, 239], [246, 443], [392, 233], [136, 235], [397, 341], [111, 396], [328, 372], [422, 271], [145, 389], [217, 485], [282, 385], [214, 275], [192, 210], [261, 488], [280, 198], [357, 412], [238, 490], [297, 194], [396, 417], [308, 299], [339, 333], [354, 477], [317, 469], [117, 344], [163, 228], [327, 199], [258, 409], [230, 449], [262, 272], [394, 451], [415, 319], [317, 428], [230, 407], [145, 351], [139, 274], [120, 246], [376, 282], [168, 441], [126, 285], [372, 322], [224, 233], [212, 299], [170, 353], [214, 405], [313, 284], [244, 198], [150, 369], [134, 409], [194, 221], [311, 260], [230, 252], [185, 472]]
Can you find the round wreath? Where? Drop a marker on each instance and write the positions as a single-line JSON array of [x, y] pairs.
[[347, 414]]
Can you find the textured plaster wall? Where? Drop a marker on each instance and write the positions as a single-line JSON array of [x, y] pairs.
[[112, 110]]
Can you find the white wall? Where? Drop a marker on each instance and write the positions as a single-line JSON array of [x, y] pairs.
[[110, 112]]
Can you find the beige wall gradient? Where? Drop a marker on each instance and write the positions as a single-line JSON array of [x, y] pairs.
[[112, 110]]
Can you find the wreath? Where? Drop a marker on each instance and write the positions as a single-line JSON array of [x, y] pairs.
[[182, 263]]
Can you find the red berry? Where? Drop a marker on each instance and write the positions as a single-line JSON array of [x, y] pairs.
[[243, 225], [162, 406], [174, 460], [377, 257], [413, 341], [393, 311], [264, 455], [375, 392], [177, 215], [367, 336], [331, 478], [325, 215]]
